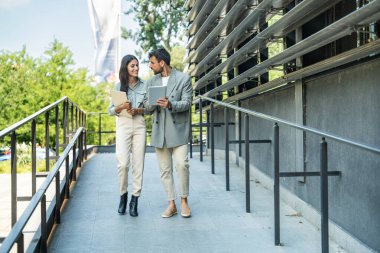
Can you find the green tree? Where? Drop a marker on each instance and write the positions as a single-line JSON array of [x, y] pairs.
[[28, 84], [160, 23]]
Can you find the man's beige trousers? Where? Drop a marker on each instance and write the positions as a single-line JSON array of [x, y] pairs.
[[181, 161], [130, 145]]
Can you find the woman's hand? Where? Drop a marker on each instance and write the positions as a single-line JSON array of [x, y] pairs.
[[126, 105], [135, 111]]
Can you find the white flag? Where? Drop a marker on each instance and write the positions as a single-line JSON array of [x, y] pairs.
[[105, 15]]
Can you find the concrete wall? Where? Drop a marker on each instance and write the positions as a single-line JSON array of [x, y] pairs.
[[345, 103]]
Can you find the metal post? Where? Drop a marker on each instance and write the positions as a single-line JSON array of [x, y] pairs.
[[247, 176], [191, 132], [200, 131], [212, 138], [43, 240], [65, 122], [20, 243], [57, 198], [76, 118], [56, 131], [72, 118], [227, 148], [47, 137], [13, 178], [208, 129], [239, 129], [80, 149], [276, 157], [100, 129], [67, 175], [74, 162], [34, 157], [324, 198], [85, 144]]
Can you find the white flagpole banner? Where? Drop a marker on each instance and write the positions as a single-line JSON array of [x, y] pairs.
[[104, 16]]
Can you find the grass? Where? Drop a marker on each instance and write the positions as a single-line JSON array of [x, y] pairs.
[[5, 167]]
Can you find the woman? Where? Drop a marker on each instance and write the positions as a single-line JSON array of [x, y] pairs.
[[130, 132]]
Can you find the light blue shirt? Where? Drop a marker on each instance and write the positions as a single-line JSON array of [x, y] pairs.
[[136, 95]]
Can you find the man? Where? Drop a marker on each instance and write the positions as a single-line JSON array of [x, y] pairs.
[[171, 128]]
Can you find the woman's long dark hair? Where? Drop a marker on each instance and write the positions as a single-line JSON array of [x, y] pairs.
[[123, 72]]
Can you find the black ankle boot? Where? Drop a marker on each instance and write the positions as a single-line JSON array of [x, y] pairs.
[[133, 206], [123, 203]]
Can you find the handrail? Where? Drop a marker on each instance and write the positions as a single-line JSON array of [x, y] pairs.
[[324, 173], [297, 126], [22, 122], [18, 227], [73, 118], [100, 130]]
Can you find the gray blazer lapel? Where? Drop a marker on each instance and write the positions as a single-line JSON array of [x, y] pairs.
[[171, 83]]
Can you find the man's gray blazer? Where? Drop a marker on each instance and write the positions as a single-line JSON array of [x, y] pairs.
[[172, 126]]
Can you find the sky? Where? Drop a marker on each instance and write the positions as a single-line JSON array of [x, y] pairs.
[[36, 23]]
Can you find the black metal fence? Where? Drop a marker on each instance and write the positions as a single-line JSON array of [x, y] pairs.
[[324, 173], [70, 131]]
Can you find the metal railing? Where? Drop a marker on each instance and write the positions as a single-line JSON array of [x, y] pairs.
[[73, 118], [99, 132], [324, 173]]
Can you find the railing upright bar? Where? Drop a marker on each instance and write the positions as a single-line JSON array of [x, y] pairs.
[[34, 157], [200, 131], [76, 118], [212, 135], [247, 174], [80, 149], [208, 138], [67, 175], [20, 244], [239, 129], [13, 178], [191, 132], [324, 198], [57, 218], [47, 137], [65, 121], [72, 118], [227, 148], [276, 190], [43, 240], [85, 144], [75, 163], [79, 118], [100, 129], [57, 131]]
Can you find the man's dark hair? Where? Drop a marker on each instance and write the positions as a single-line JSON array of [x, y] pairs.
[[161, 55]]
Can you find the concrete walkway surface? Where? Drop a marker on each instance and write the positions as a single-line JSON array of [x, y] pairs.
[[219, 223]]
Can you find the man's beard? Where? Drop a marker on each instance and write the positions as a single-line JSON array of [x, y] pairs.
[[158, 71]]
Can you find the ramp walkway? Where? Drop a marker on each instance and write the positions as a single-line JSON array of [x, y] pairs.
[[219, 223]]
